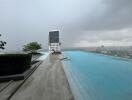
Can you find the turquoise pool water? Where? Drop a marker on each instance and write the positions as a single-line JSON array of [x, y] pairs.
[[98, 77]]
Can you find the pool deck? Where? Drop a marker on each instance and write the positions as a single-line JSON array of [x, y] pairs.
[[48, 82]]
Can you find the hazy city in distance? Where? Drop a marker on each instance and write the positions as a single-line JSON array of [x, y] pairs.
[[82, 23]]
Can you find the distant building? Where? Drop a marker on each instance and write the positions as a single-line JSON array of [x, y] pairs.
[[102, 49], [54, 43]]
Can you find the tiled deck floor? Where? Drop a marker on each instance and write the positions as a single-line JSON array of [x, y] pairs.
[[48, 82]]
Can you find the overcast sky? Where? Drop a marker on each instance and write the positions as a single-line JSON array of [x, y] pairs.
[[81, 22]]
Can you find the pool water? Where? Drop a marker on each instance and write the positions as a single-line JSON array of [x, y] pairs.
[[97, 77], [44, 56]]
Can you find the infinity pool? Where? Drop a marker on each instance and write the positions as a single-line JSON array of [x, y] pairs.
[[97, 77]]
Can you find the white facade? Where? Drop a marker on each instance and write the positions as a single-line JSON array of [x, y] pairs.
[[54, 47]]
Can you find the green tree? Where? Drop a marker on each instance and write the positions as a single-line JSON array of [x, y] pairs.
[[32, 47], [2, 44]]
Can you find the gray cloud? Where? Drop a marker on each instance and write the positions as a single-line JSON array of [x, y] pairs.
[[116, 15], [109, 23], [78, 20]]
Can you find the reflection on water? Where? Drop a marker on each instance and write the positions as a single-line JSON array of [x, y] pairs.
[[45, 54]]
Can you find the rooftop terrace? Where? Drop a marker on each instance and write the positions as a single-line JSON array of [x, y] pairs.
[[47, 82]]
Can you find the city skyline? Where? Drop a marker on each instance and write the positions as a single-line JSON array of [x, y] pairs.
[[81, 23]]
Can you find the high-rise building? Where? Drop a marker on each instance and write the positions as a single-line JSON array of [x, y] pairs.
[[54, 43]]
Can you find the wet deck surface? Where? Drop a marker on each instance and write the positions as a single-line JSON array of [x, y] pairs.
[[48, 82]]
